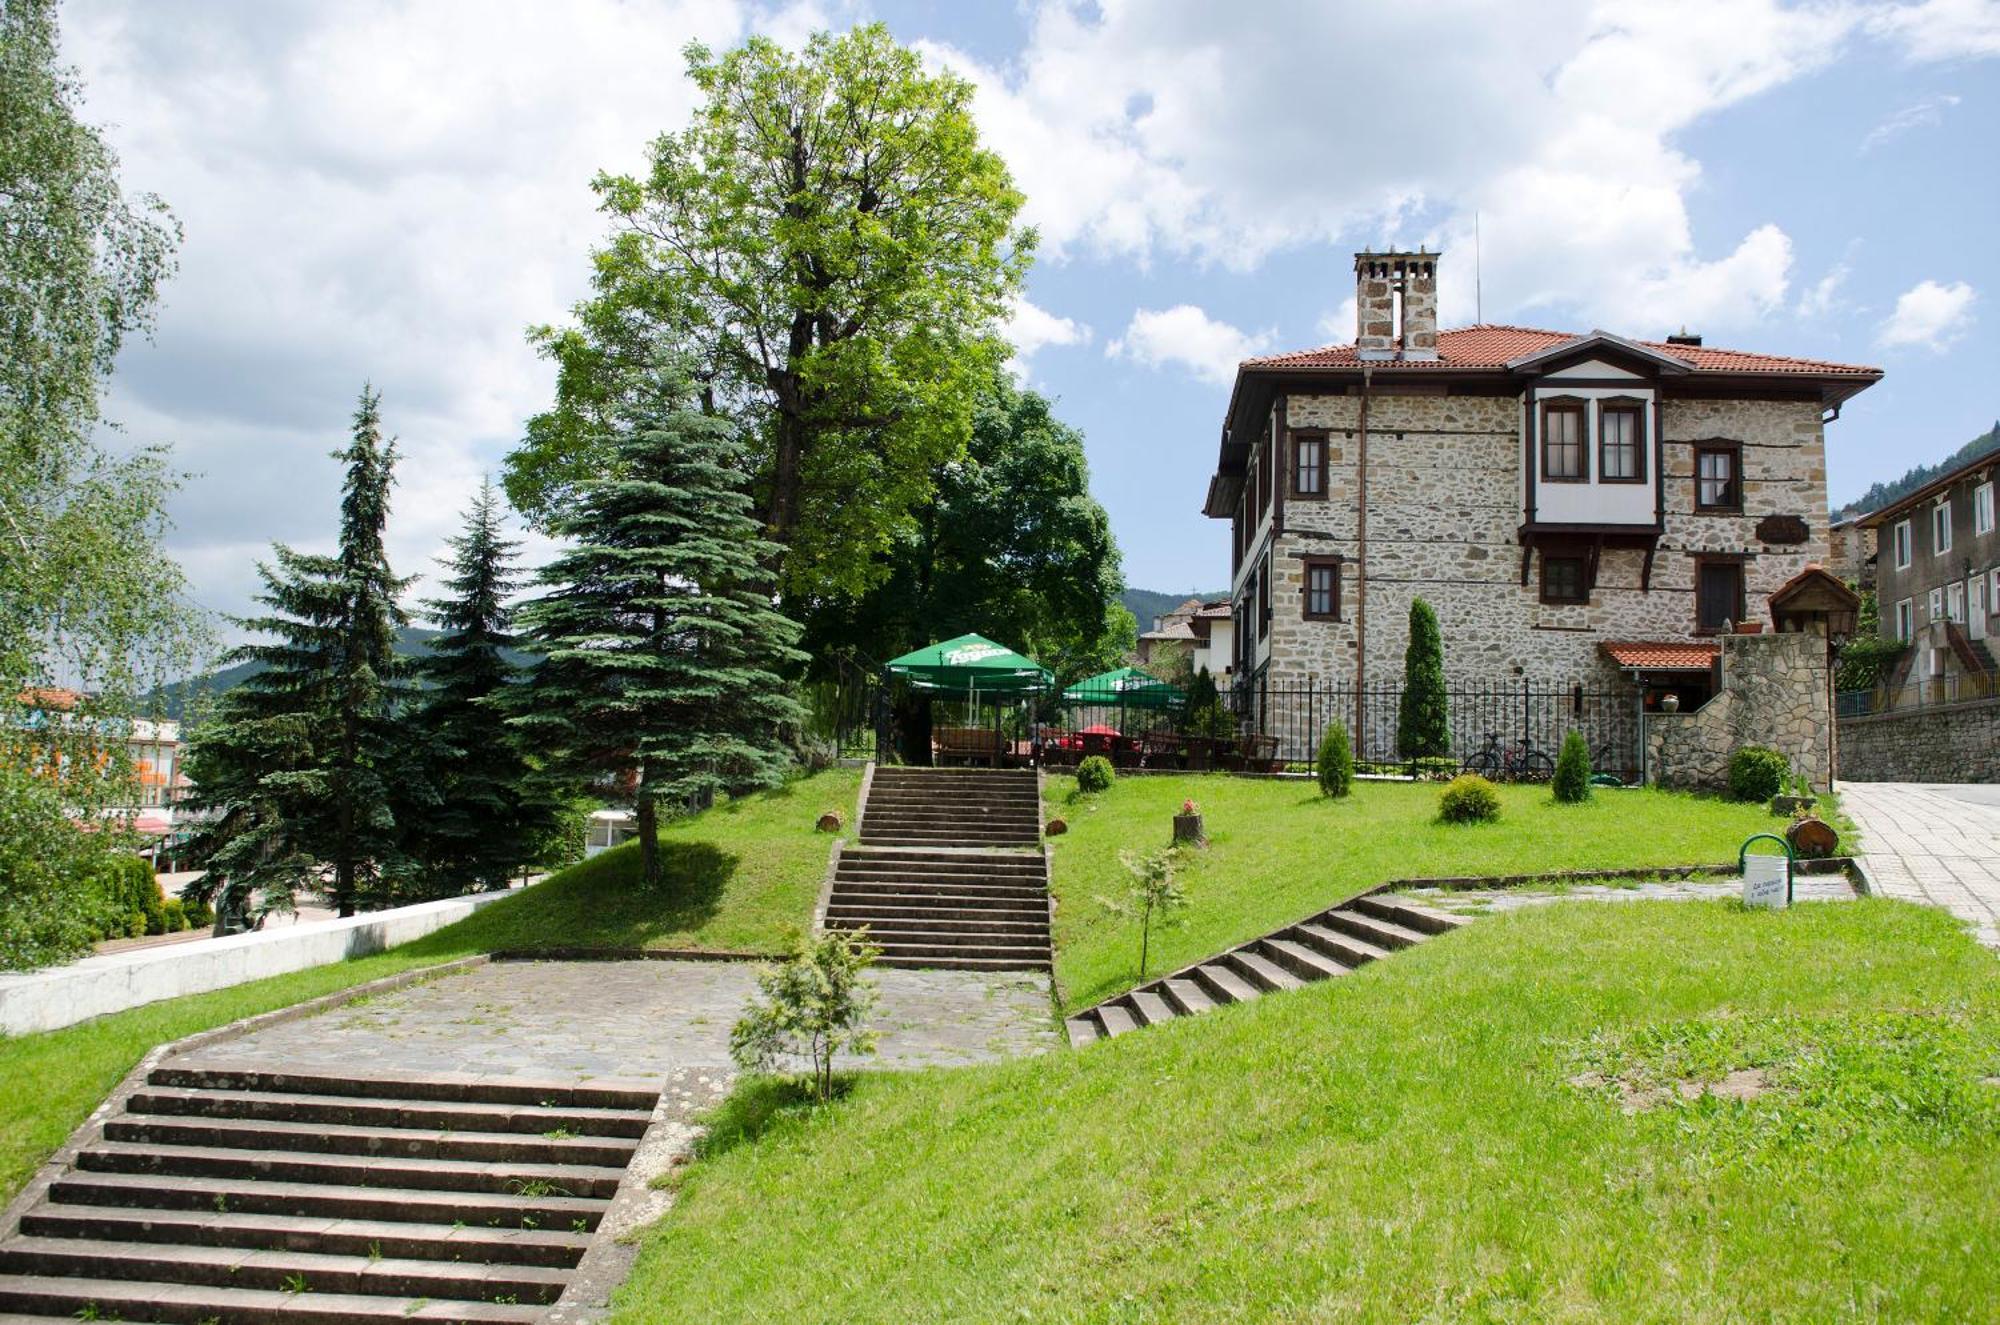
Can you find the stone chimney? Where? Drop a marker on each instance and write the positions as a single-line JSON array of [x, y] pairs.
[[1395, 305]]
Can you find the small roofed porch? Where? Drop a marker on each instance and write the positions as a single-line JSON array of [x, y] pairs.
[[1672, 675]]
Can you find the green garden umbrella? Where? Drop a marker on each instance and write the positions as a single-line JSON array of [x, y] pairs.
[[1126, 687], [971, 665]]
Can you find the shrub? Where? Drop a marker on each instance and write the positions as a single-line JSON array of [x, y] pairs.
[[1469, 799], [1095, 774], [133, 900], [1757, 773], [200, 915], [176, 914], [1335, 765], [810, 1008], [1572, 780], [1423, 720]]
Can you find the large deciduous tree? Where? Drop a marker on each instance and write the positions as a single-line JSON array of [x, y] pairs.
[[831, 249], [88, 598], [303, 770], [663, 647]]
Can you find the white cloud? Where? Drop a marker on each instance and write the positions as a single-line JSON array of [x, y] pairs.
[[1030, 328], [1184, 336], [1941, 29], [1822, 298], [1929, 315], [1925, 114]]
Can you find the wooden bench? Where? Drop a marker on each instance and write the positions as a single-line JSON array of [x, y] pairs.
[[1162, 749], [973, 745]]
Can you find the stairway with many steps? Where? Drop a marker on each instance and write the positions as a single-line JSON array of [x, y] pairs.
[[949, 872], [1331, 943], [233, 1196]]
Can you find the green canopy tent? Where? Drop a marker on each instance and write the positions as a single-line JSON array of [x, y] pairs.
[[1124, 687], [975, 668]]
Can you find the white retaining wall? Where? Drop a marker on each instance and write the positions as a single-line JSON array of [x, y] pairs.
[[64, 995]]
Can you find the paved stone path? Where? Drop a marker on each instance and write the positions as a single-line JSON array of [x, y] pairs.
[[634, 1019], [1493, 901], [1933, 843]]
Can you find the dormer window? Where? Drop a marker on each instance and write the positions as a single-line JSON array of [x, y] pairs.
[[1564, 453], [1621, 442]]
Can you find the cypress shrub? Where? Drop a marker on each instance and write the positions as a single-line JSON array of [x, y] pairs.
[[1572, 780], [1335, 764], [1423, 723]]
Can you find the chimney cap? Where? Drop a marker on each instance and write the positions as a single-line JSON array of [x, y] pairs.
[[1684, 337]]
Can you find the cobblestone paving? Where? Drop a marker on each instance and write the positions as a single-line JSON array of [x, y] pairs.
[[1934, 844], [638, 1020], [1493, 901]]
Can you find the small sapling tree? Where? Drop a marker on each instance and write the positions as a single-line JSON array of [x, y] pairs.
[[1152, 898], [812, 1006], [1335, 765]]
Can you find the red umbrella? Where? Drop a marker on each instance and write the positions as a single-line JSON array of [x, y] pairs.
[[1100, 729]]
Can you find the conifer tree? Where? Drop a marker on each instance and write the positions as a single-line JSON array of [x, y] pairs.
[[664, 649], [484, 813], [1423, 724], [302, 767]]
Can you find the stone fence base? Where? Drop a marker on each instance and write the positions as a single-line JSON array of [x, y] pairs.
[[1774, 693], [1948, 743]]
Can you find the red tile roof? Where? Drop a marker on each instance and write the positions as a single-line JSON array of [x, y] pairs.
[[1494, 346], [1662, 656]]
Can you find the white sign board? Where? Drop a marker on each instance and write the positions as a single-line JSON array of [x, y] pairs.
[[1766, 881]]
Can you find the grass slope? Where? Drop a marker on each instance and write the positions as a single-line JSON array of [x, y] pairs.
[[743, 876], [1279, 851], [1411, 1142]]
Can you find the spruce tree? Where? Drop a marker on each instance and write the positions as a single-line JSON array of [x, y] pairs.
[[484, 815], [302, 767], [664, 649], [1423, 723]]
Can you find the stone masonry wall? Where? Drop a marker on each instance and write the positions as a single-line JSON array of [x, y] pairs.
[[1953, 743], [1445, 505], [1774, 692]]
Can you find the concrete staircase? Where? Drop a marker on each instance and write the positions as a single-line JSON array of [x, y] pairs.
[[1329, 944], [953, 807], [231, 1196], [949, 872]]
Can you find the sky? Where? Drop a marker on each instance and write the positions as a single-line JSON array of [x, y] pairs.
[[393, 193]]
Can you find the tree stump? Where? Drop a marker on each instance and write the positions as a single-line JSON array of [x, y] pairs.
[[829, 822], [1057, 827], [1812, 839], [1187, 828]]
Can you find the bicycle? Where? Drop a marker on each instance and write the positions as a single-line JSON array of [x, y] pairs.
[[1522, 762]]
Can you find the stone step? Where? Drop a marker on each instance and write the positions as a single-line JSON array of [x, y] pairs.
[[1384, 934], [887, 927], [1305, 962], [344, 1139], [1223, 984], [964, 963], [422, 1114], [966, 856], [1034, 918], [1083, 1030], [1115, 1020], [906, 839], [351, 1170], [1409, 914], [968, 798], [338, 1237], [463, 1088], [1337, 944], [310, 1200], [186, 1304], [967, 880], [915, 773], [843, 903], [1261, 971], [231, 1267], [1148, 1008], [1187, 996], [943, 943], [912, 835]]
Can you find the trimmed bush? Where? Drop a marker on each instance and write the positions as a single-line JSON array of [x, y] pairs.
[[1572, 780], [1757, 773], [1095, 774], [1335, 765], [1423, 720], [133, 902], [1469, 799]]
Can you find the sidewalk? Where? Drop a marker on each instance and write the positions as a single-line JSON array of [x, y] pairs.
[[1933, 843]]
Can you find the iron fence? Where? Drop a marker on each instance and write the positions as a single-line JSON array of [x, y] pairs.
[[1925, 692]]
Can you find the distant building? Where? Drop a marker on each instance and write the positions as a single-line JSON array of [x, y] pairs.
[[1206, 630], [1851, 551], [1937, 583], [154, 747]]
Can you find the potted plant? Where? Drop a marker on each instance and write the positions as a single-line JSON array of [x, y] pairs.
[[1749, 627], [1797, 801], [1187, 824]]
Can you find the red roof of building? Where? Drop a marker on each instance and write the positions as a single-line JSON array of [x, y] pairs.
[[1491, 345], [1663, 655]]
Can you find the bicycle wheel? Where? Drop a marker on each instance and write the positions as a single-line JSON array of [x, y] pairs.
[[1486, 764], [1536, 767]]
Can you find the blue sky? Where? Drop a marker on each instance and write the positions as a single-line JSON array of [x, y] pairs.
[[393, 191]]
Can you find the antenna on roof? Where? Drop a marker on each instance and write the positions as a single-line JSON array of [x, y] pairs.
[[1478, 299]]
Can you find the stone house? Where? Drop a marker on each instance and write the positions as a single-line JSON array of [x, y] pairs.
[[1937, 583], [1579, 508], [1204, 630], [1851, 551]]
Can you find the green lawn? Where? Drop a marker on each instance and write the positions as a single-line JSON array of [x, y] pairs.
[[1437, 1137], [742, 877], [1279, 851]]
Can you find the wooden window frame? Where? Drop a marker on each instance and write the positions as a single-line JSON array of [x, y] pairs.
[[1636, 408], [1906, 619], [1264, 597], [1934, 604], [1701, 564], [1982, 509], [1300, 441], [1902, 544], [1319, 563], [1941, 522], [1734, 450], [1567, 405], [1582, 563]]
